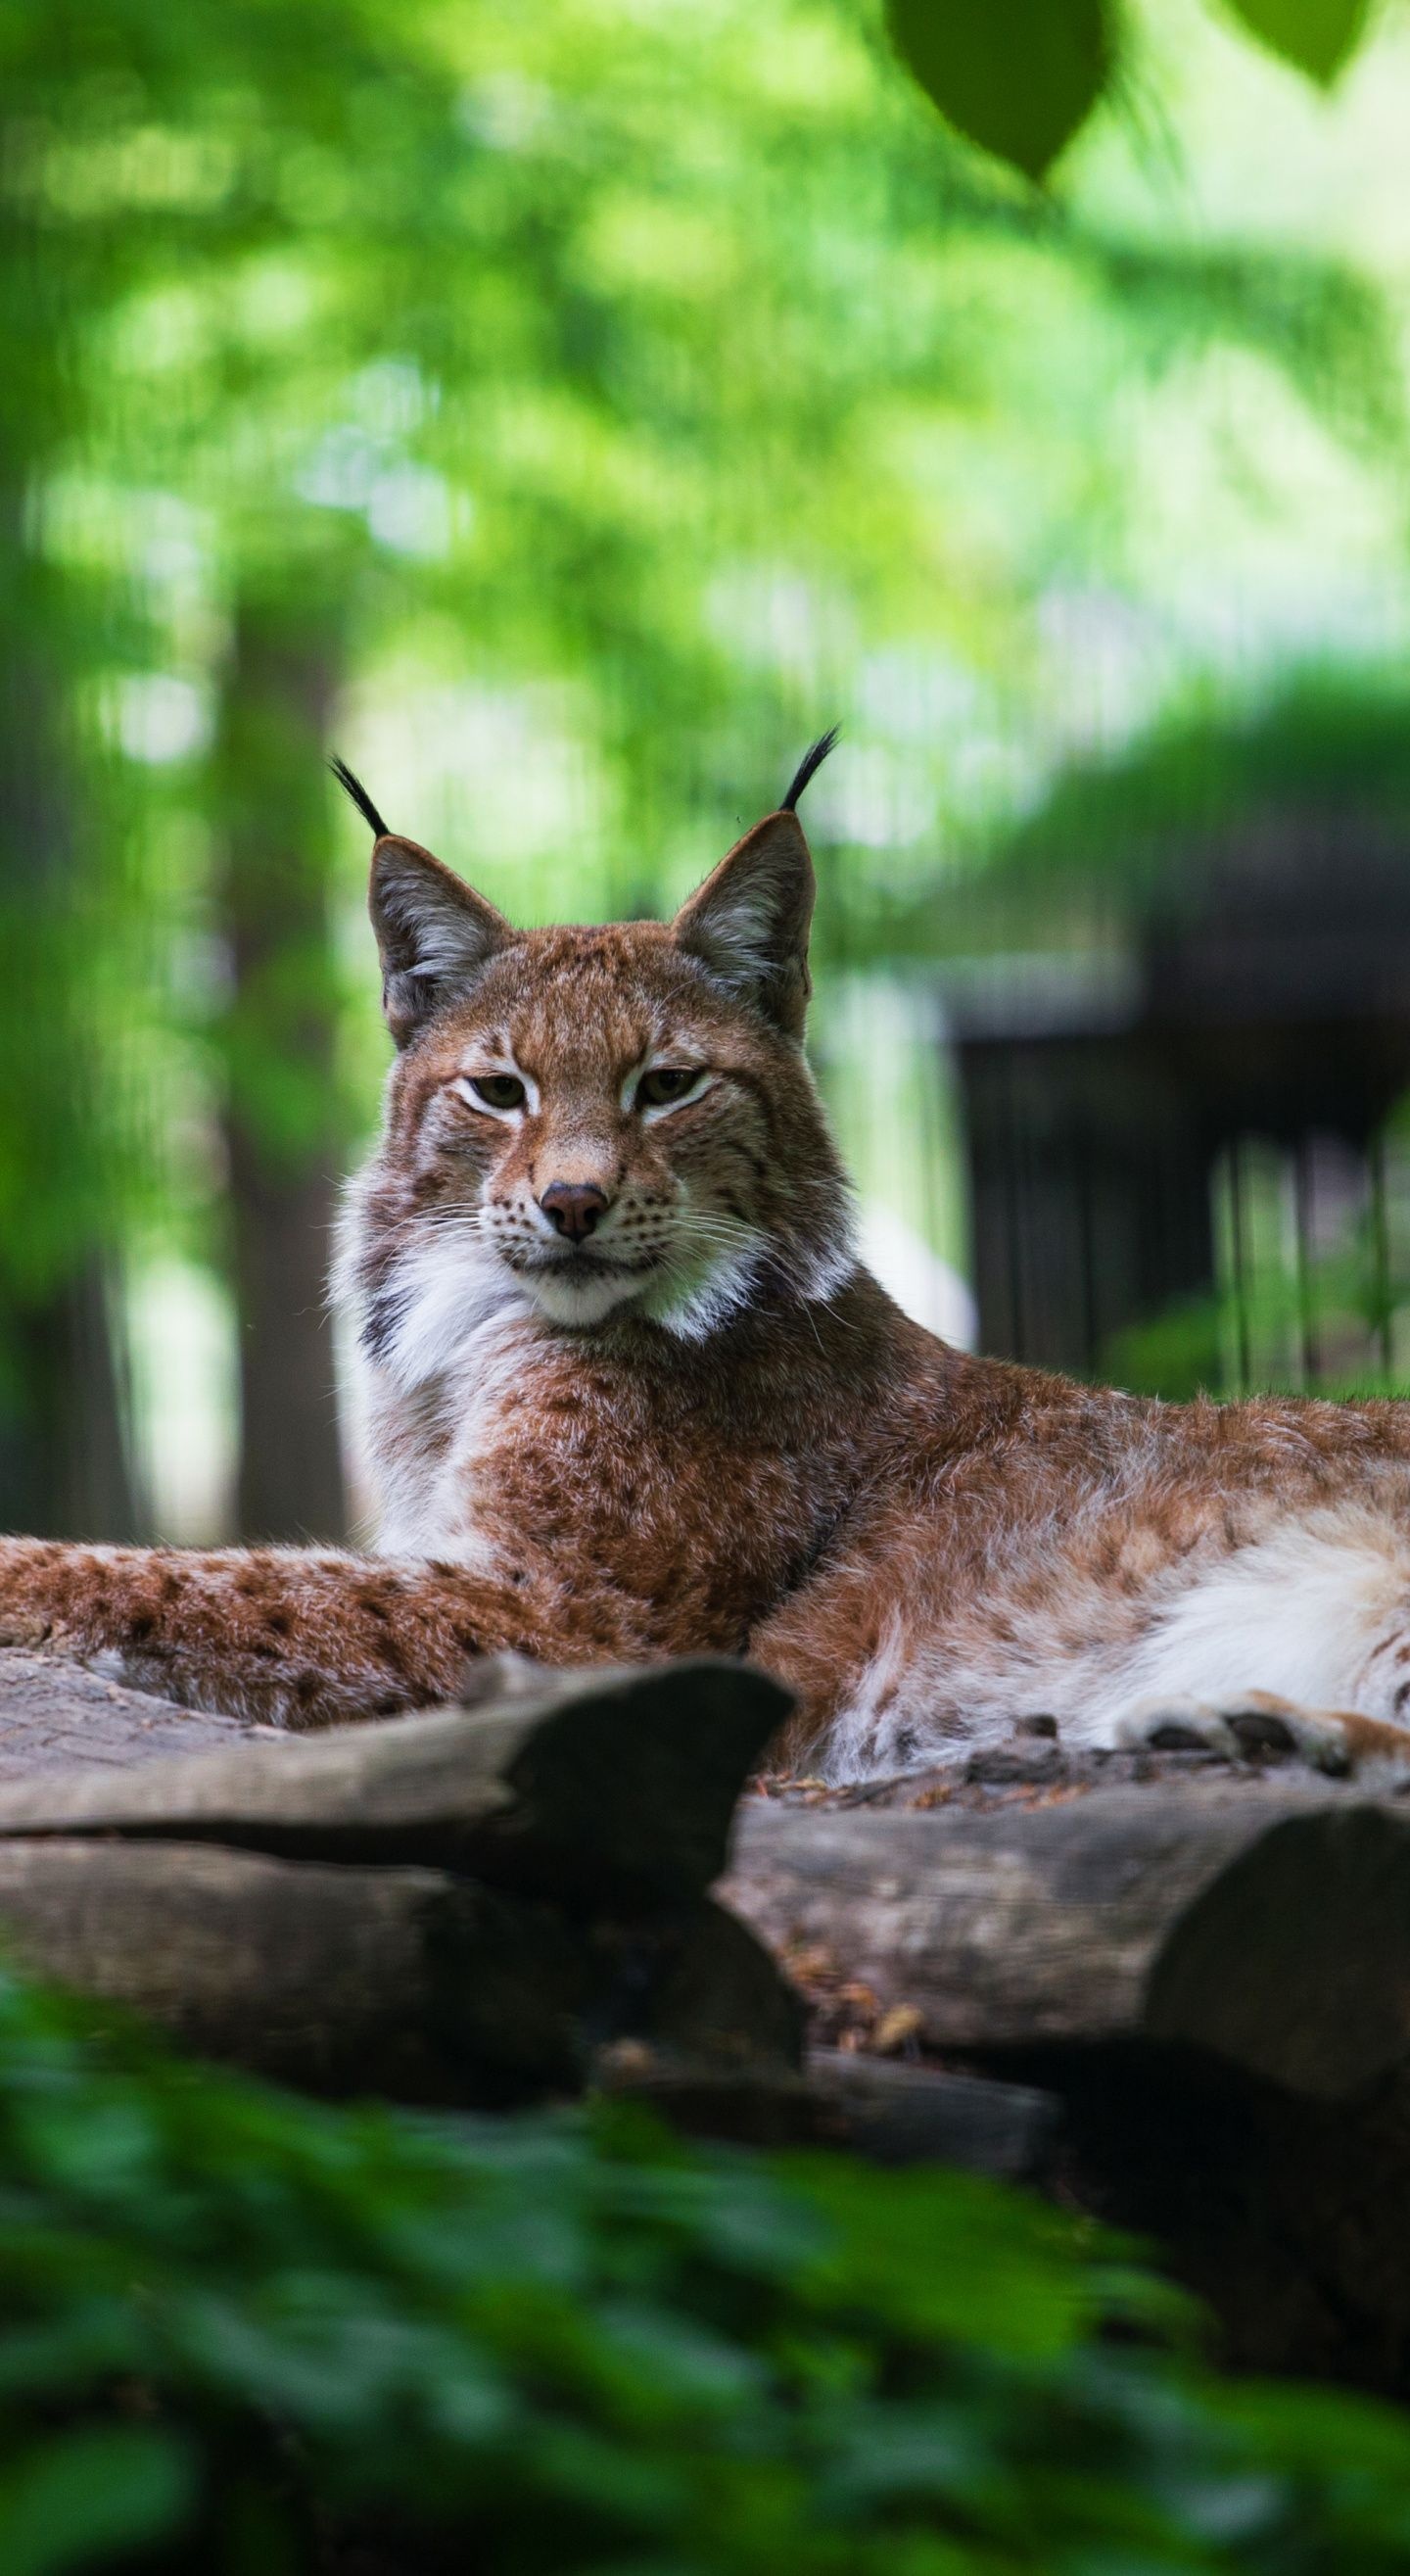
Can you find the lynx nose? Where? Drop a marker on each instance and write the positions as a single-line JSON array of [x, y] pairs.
[[574, 1207]]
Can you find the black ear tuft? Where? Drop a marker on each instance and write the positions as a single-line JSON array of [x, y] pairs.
[[354, 788], [810, 763]]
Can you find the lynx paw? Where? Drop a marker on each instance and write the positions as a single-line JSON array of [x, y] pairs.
[[1258, 1726]]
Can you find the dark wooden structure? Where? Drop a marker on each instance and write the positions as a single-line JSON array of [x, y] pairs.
[[1206, 988]]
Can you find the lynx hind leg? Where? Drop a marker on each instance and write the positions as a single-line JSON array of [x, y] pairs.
[[1254, 1725]]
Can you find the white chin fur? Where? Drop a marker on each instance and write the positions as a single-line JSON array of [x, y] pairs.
[[582, 1297], [691, 1303]]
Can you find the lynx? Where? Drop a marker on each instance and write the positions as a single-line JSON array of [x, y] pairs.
[[626, 1393]]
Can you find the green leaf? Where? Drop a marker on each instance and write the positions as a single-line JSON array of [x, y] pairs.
[[70, 2503], [1018, 76], [1315, 35]]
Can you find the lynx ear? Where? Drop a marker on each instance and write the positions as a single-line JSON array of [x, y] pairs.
[[433, 932], [748, 923]]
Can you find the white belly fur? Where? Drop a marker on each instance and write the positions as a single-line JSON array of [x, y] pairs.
[[1317, 1612]]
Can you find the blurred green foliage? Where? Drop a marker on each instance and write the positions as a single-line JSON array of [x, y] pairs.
[[1252, 1333], [1141, 834], [1152, 821], [235, 2325], [1019, 78]]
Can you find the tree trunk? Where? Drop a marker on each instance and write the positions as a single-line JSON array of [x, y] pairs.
[[64, 1469], [283, 1135]]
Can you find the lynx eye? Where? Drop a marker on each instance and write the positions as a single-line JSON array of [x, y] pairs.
[[496, 1090], [665, 1083]]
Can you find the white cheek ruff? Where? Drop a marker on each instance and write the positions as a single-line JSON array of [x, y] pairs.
[[695, 1300], [447, 1289], [708, 1284]]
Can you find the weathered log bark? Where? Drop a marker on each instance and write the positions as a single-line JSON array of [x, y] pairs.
[[1267, 1927], [402, 1982], [899, 2114], [320, 1908], [594, 1785], [1209, 1976], [891, 2113], [55, 1715]]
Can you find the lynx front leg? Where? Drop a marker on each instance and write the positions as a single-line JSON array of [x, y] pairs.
[[1256, 1724], [289, 1637]]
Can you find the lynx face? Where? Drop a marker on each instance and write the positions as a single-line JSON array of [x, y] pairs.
[[613, 1146], [596, 1121]]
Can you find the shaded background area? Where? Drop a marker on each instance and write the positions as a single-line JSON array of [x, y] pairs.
[[566, 420]]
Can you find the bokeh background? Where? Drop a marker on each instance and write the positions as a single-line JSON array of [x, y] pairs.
[[565, 414]]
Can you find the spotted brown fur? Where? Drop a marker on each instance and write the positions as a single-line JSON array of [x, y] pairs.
[[733, 1440]]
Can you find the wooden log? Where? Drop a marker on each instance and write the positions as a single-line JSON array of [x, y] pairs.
[[1267, 1927], [329, 1978], [403, 1982], [892, 2114], [54, 1713], [898, 2114], [596, 1784]]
